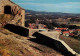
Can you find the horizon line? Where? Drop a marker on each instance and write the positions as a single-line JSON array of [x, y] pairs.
[[52, 11]]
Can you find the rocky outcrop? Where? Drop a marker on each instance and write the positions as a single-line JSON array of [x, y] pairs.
[[8, 7]]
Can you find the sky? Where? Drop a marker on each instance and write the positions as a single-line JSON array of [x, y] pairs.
[[65, 6]]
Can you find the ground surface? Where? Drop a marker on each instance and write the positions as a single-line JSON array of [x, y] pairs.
[[73, 43], [15, 45]]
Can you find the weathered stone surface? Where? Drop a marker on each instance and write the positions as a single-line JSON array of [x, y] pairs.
[[8, 7]]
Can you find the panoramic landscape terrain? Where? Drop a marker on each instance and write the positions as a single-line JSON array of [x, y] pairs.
[[39, 28]]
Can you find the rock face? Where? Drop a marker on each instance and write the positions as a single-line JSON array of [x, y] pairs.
[[8, 7]]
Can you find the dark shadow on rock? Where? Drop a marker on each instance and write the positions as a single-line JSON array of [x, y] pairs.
[[44, 40], [17, 29]]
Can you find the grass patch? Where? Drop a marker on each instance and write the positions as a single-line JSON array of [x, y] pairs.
[[5, 17], [6, 46], [13, 54], [4, 52]]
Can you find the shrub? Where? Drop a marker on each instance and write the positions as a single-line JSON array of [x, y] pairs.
[[4, 52]]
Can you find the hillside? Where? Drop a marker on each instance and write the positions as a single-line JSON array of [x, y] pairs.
[[73, 43], [12, 44]]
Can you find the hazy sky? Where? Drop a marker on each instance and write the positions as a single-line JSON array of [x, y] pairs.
[[66, 6]]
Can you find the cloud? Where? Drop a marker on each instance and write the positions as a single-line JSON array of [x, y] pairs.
[[28, 0], [37, 4], [59, 5], [70, 5]]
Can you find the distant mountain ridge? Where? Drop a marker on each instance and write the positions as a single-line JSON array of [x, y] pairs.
[[51, 13]]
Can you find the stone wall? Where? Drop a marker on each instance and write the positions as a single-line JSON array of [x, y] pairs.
[[32, 31], [8, 7], [17, 29], [56, 44], [52, 34]]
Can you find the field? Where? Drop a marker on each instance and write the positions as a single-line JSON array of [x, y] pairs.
[[77, 24], [73, 43]]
